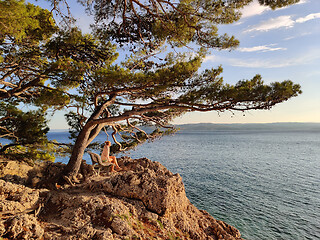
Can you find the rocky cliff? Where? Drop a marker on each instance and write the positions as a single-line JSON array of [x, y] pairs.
[[143, 201]]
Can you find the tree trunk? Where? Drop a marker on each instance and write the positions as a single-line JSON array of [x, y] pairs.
[[85, 137], [80, 145]]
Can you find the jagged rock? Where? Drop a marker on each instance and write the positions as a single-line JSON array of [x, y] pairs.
[[23, 227], [15, 202], [161, 191], [2, 228], [14, 171], [17, 198], [104, 235], [144, 201]]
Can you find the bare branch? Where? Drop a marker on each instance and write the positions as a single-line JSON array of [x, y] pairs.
[[135, 127], [115, 131]]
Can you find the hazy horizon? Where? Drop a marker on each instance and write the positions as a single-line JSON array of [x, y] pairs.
[[207, 123]]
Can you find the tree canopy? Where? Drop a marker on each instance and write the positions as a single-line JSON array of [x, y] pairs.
[[23, 28], [47, 66], [178, 23], [124, 100], [39, 64]]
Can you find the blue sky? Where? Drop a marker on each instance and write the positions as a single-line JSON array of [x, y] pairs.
[[280, 45]]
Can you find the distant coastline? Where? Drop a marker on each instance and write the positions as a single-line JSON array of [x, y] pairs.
[[282, 126], [277, 126]]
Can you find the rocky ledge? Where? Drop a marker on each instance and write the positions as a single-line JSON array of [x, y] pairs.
[[143, 201]]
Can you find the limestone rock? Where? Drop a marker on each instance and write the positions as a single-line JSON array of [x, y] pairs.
[[161, 191], [17, 198], [143, 201], [15, 202], [14, 171], [23, 227]]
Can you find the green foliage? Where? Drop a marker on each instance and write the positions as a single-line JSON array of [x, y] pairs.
[[27, 132], [160, 224], [237, 97], [76, 55], [178, 23], [75, 121], [22, 22], [126, 100], [173, 236], [273, 4], [39, 65], [155, 22], [25, 127], [31, 152], [24, 30]]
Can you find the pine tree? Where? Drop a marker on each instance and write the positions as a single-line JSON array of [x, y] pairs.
[[46, 66]]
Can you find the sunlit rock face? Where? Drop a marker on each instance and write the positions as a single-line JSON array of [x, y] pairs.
[[142, 201]]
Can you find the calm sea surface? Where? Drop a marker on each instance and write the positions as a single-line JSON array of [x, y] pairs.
[[265, 183]]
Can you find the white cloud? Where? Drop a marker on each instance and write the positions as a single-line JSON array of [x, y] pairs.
[[298, 35], [254, 8], [210, 58], [308, 18], [265, 48], [275, 62], [258, 63], [273, 23], [302, 2], [286, 21]]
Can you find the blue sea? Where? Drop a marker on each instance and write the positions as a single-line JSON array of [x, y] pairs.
[[266, 183]]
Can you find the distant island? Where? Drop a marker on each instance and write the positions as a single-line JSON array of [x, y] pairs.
[[288, 126]]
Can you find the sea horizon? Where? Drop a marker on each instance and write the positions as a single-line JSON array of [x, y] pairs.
[[190, 126]]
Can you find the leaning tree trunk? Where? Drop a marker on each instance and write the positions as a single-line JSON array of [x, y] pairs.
[[79, 147], [85, 137]]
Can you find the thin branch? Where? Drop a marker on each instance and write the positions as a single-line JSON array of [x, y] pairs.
[[144, 58], [180, 106], [135, 127], [94, 132], [104, 129], [139, 27], [115, 131]]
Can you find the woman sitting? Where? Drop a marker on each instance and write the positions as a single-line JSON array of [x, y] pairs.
[[106, 158]]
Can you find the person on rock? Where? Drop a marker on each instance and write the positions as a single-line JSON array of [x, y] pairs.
[[105, 157]]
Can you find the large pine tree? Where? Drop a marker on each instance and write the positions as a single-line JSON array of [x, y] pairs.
[[142, 91], [46, 66]]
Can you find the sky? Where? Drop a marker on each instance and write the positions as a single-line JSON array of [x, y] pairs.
[[278, 44]]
